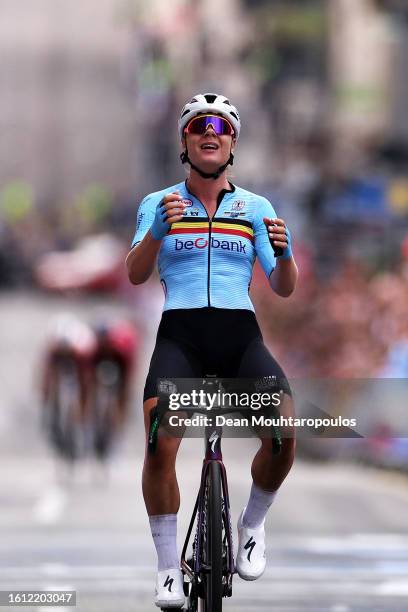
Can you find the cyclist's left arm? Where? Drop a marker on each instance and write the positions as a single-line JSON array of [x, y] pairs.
[[281, 271]]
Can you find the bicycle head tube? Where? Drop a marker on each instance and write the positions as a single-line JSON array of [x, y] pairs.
[[213, 437]]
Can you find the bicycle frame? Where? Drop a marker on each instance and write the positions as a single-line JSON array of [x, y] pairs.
[[212, 453], [195, 568]]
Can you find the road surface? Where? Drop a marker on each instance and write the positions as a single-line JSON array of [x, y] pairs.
[[337, 533]]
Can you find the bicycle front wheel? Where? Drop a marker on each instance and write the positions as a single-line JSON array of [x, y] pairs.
[[212, 544]]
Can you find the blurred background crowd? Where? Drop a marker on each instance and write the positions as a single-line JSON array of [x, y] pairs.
[[88, 113]]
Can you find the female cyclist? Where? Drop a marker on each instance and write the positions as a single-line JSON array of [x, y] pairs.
[[207, 233]]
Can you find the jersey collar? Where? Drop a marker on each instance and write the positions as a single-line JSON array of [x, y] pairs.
[[220, 195]]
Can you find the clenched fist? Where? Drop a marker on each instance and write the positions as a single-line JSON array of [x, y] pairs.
[[168, 211]]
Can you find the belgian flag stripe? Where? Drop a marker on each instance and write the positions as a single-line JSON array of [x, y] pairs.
[[243, 228], [235, 232], [178, 228], [233, 221]]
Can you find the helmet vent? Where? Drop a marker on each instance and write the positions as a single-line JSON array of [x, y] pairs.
[[210, 98], [193, 100], [235, 115], [227, 102], [185, 112]]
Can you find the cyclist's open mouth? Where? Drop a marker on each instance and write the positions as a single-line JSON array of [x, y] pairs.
[[209, 146]]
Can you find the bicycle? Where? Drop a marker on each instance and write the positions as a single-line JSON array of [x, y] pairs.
[[64, 400], [107, 385], [208, 573], [210, 570], [81, 403]]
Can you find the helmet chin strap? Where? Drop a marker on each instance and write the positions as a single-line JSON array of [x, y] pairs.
[[206, 175]]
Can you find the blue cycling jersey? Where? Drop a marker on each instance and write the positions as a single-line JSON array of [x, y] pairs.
[[208, 262]]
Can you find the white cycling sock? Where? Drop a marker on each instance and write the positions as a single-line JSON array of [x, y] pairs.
[[257, 507], [164, 532]]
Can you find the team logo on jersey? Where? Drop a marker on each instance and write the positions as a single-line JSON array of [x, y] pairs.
[[236, 209], [193, 212], [187, 202], [202, 243]]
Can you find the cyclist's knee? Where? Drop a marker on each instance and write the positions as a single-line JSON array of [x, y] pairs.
[[166, 446], [163, 461]]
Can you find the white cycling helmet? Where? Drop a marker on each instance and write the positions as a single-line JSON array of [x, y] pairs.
[[209, 103]]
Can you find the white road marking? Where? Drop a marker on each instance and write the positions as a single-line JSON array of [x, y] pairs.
[[397, 588], [367, 544], [55, 569], [50, 508]]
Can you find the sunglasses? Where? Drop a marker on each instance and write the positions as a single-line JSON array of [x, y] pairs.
[[199, 125]]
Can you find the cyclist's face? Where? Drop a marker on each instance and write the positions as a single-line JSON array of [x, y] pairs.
[[208, 151]]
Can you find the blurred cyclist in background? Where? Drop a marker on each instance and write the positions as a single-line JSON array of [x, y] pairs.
[[86, 382], [66, 383], [114, 360], [69, 339]]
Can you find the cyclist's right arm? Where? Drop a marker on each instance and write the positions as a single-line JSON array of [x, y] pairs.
[[153, 223]]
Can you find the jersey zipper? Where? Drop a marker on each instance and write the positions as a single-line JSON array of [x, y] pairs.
[[209, 250], [209, 260], [220, 199]]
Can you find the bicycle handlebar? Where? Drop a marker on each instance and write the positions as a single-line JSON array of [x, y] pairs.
[[157, 413]]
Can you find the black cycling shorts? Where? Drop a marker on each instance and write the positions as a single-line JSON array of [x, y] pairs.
[[196, 342]]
